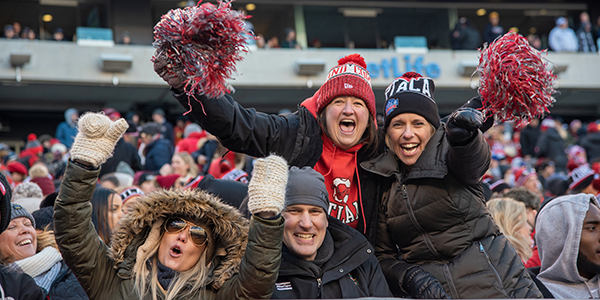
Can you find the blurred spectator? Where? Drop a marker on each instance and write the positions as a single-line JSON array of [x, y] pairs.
[[551, 145], [580, 180], [67, 130], [316, 43], [180, 124], [158, 151], [591, 142], [273, 43], [510, 216], [528, 178], [166, 128], [17, 28], [260, 41], [147, 183], [9, 32], [28, 195], [598, 26], [129, 197], [465, 36], [586, 38], [106, 212], [39, 174], [191, 135], [58, 35], [18, 171], [531, 201], [562, 38], [125, 39], [124, 153], [493, 29], [535, 41], [555, 186], [545, 169], [25, 33], [290, 39]]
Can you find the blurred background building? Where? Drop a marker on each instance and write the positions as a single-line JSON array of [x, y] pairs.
[[92, 54]]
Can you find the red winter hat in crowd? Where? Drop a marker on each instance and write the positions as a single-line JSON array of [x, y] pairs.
[[522, 175], [592, 127], [167, 181], [46, 184], [15, 166], [349, 78]]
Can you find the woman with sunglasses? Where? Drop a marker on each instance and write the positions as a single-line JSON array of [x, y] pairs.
[[173, 244]]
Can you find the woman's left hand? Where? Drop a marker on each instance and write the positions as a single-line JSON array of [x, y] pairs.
[[462, 125]]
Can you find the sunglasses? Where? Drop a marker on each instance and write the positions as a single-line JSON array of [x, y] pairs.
[[197, 233]]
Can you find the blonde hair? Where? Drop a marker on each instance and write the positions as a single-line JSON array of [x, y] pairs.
[[38, 170], [188, 160], [511, 216], [146, 279]]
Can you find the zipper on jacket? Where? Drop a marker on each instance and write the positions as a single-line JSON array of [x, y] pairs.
[[489, 261], [448, 275], [413, 218]]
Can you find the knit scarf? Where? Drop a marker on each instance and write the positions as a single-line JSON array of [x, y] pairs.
[[43, 267], [324, 253], [40, 262]]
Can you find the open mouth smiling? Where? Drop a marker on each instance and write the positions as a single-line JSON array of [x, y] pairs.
[[24, 242], [347, 126]]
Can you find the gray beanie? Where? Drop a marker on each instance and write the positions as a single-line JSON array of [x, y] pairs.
[[17, 211], [27, 190], [306, 186]]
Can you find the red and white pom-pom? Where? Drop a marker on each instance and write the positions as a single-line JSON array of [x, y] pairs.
[[515, 83], [205, 41]]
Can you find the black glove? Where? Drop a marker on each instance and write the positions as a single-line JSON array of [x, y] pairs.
[[172, 74], [462, 125], [420, 284]]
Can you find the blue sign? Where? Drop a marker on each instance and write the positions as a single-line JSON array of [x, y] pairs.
[[391, 68]]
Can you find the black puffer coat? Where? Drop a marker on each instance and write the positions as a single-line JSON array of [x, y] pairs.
[[66, 286], [436, 217]]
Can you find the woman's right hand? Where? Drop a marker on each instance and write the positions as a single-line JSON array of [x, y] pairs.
[[96, 139], [420, 284], [173, 75]]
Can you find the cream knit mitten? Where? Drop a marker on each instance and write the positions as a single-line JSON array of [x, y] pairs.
[[96, 138], [266, 190]]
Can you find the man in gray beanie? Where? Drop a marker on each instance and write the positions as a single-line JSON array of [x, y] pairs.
[[322, 257], [13, 285]]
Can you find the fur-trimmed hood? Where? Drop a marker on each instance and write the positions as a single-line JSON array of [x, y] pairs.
[[228, 230]]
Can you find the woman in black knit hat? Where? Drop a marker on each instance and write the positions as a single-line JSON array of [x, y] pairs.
[[433, 212]]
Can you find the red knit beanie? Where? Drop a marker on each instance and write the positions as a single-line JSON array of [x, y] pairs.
[[349, 78], [167, 181]]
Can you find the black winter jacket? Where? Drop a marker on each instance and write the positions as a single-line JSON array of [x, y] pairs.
[[66, 286], [591, 143], [551, 145], [158, 153], [435, 215], [125, 152], [352, 271], [295, 136], [18, 285], [529, 137]]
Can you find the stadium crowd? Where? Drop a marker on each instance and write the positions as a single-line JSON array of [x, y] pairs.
[[330, 201]]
